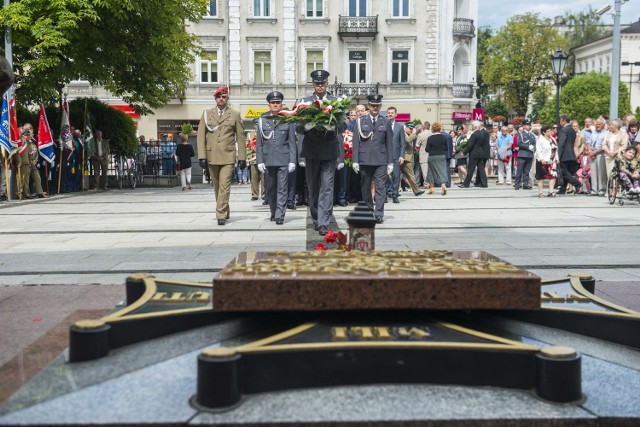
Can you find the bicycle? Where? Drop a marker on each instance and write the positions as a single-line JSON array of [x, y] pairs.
[[126, 169]]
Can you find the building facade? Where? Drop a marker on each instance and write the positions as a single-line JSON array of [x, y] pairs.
[[420, 54], [596, 57]]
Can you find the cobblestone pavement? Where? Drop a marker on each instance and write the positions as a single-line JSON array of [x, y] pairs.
[[73, 252]]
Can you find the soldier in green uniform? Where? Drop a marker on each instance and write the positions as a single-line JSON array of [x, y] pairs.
[[99, 155], [220, 137], [26, 160]]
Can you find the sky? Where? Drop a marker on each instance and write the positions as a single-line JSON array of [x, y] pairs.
[[494, 13]]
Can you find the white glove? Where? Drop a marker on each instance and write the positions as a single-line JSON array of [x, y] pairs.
[[262, 168], [356, 167], [531, 147], [302, 163], [340, 165], [292, 167], [389, 168]]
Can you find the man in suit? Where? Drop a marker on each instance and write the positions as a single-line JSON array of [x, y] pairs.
[[393, 183], [100, 161], [321, 154], [526, 142], [276, 154], [479, 150], [568, 164], [373, 155], [220, 137]]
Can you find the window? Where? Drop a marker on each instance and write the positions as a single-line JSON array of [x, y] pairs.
[[314, 8], [357, 7], [399, 66], [400, 8], [315, 61], [261, 8], [357, 66], [209, 68], [262, 66], [213, 8]]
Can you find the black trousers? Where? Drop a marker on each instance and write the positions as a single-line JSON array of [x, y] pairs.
[[481, 179], [522, 175], [568, 170]]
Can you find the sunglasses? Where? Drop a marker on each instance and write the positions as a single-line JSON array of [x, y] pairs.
[[275, 102], [222, 96]]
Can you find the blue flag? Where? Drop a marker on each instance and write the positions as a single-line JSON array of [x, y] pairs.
[[5, 135]]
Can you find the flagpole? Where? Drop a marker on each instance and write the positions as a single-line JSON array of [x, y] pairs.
[[6, 175], [60, 160], [84, 130]]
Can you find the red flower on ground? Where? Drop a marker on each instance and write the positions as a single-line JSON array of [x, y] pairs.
[[330, 237], [320, 247]]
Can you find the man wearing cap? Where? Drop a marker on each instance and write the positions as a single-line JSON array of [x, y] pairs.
[[407, 159], [526, 142], [322, 153], [373, 154], [220, 137], [276, 154]]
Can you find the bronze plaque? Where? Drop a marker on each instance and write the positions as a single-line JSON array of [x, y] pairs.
[[356, 280]]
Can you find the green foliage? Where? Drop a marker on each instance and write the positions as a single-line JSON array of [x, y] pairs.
[[187, 129], [484, 35], [586, 95], [519, 54], [540, 97], [584, 27], [115, 125], [496, 107], [138, 50]]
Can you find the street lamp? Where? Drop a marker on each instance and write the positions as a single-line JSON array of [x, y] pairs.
[[558, 61]]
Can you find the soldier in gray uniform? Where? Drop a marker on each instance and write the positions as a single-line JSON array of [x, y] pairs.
[[276, 154], [321, 152], [373, 154]]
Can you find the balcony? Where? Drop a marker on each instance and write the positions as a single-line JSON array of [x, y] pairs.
[[354, 90], [358, 27], [462, 90], [463, 27]]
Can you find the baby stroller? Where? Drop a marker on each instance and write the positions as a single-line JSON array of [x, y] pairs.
[[617, 189]]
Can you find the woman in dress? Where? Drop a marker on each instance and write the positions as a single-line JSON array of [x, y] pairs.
[[546, 161], [461, 158], [437, 149]]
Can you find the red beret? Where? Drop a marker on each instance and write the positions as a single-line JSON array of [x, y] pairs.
[[224, 90]]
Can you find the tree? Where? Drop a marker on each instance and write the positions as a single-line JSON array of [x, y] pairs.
[[586, 95], [584, 27], [484, 35], [138, 50], [518, 55], [495, 107], [540, 98]]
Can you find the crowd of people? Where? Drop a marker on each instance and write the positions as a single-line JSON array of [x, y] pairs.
[[386, 158]]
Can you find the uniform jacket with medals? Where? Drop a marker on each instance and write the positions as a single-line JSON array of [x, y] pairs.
[[219, 135], [275, 142], [373, 146], [320, 144], [525, 139]]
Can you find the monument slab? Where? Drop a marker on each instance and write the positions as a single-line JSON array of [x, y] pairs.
[[375, 280]]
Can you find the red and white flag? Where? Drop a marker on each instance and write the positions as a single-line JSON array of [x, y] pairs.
[[45, 140]]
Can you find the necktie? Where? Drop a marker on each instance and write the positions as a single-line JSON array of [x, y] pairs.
[[374, 120]]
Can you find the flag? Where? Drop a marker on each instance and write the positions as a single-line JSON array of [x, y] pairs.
[[45, 140], [5, 133], [88, 141], [16, 141], [66, 139]]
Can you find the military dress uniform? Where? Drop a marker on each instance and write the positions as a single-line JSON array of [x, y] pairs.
[[28, 160], [373, 153], [322, 152], [277, 152], [219, 132]]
